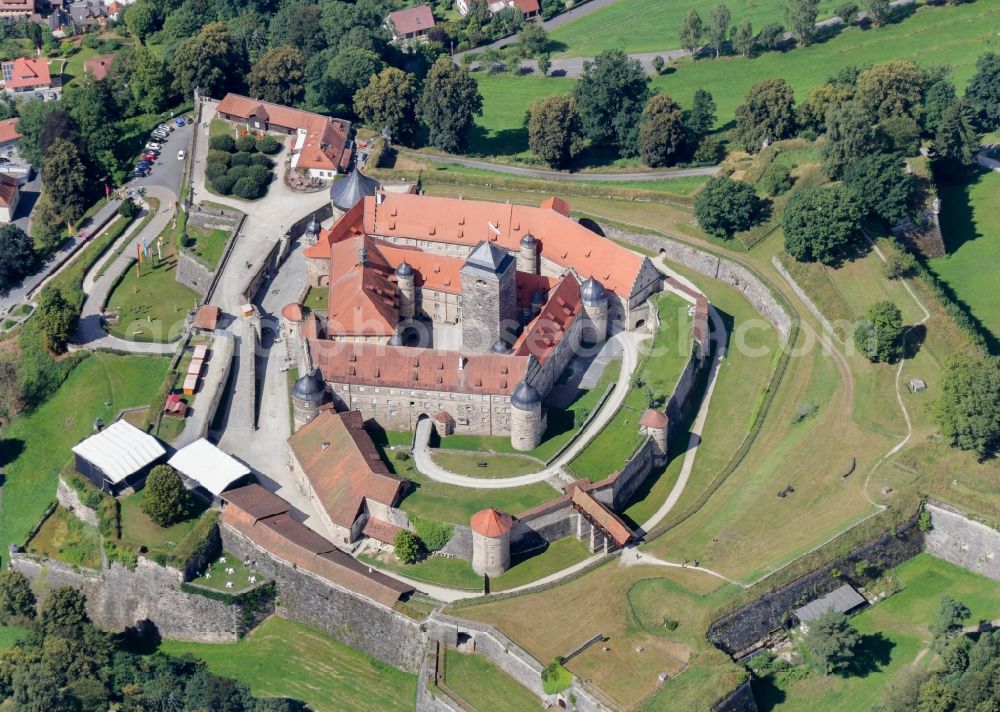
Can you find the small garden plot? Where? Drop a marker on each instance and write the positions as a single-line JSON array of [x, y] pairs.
[[228, 574], [240, 166], [64, 537]]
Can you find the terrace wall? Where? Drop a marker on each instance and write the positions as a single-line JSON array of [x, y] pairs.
[[192, 273], [955, 538], [69, 499]]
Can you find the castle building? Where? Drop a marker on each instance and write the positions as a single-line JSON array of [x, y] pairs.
[[490, 541]]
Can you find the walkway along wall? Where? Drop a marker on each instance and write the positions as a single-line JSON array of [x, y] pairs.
[[118, 598], [344, 615], [962, 541]]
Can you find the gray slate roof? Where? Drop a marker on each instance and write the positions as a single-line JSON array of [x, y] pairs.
[[842, 600], [346, 192], [487, 256]]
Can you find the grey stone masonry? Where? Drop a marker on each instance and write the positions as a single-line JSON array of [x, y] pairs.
[[739, 700], [489, 297], [193, 273], [344, 615], [69, 500], [955, 538]]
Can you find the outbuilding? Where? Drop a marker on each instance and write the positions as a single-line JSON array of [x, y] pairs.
[[118, 458], [843, 600], [206, 466]]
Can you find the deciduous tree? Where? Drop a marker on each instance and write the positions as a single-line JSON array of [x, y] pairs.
[[210, 60], [662, 134], [878, 11], [143, 18], [65, 179], [718, 27], [555, 130], [983, 91], [949, 618], [64, 613], [832, 640], [725, 206], [17, 602], [407, 545], [691, 32], [800, 16], [17, 256], [849, 135], [56, 319], [767, 113], [278, 76], [892, 88], [877, 334], [968, 411], [885, 190], [611, 95], [533, 39], [742, 38], [449, 101], [165, 499], [821, 224], [389, 101]]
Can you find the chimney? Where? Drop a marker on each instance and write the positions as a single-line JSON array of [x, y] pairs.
[[461, 363], [363, 257]]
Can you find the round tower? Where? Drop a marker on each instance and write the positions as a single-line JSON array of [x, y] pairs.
[[653, 424], [527, 256], [491, 541], [526, 426], [595, 306], [407, 291], [307, 396]]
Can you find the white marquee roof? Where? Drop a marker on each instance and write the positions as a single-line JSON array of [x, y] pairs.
[[208, 466], [120, 450]]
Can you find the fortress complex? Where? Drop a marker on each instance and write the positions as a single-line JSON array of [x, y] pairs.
[[460, 310]]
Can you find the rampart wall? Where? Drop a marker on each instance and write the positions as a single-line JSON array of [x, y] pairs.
[[962, 541]]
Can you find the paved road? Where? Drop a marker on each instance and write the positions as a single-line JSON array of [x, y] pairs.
[[985, 161], [561, 175], [628, 341]]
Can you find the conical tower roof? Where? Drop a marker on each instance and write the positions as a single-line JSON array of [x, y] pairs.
[[346, 192]]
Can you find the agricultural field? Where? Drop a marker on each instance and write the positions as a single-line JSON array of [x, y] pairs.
[[36, 446], [894, 638], [284, 659]]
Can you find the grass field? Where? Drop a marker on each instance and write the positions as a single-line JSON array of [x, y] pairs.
[[499, 465], [284, 659], [970, 223], [556, 557], [36, 446], [950, 36], [316, 298], [485, 686], [151, 306], [659, 372], [66, 538], [895, 628], [10, 635], [456, 573], [239, 578], [208, 244], [139, 529], [598, 603], [651, 26]]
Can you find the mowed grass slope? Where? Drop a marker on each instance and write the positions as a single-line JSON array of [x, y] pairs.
[[284, 659], [902, 621], [652, 25], [36, 447], [949, 36], [485, 686]]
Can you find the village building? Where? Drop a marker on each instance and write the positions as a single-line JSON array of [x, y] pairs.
[[341, 469], [528, 8], [412, 23], [844, 599], [26, 74], [8, 133], [321, 145], [99, 66], [118, 457], [10, 194]]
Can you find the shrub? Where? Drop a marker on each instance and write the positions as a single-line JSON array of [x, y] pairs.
[[246, 143], [259, 159], [259, 174], [268, 144], [658, 64], [775, 180], [128, 209], [408, 546], [804, 411], [222, 143], [241, 159], [219, 157], [237, 172], [223, 185], [435, 535], [709, 152], [214, 169], [247, 188], [898, 265], [16, 599], [166, 500]]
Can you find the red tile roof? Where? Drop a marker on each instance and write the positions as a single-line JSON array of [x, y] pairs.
[[412, 20], [528, 6], [416, 368], [433, 271], [257, 502], [8, 130], [380, 530], [343, 466], [362, 299], [326, 137], [541, 336], [653, 419], [604, 518], [491, 522], [207, 317], [293, 312], [27, 72], [468, 222], [8, 190], [99, 66]]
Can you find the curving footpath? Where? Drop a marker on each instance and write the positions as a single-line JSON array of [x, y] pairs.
[[90, 332], [629, 342]]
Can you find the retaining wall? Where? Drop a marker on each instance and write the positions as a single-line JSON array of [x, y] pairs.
[[344, 615], [740, 700], [744, 627], [192, 273], [69, 499], [966, 543], [118, 598]]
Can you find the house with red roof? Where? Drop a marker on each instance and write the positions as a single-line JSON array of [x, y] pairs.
[[410, 24], [99, 66], [8, 133], [528, 8], [26, 74], [9, 195], [320, 145]]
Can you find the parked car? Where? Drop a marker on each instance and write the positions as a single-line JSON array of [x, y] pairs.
[[179, 122], [189, 119], [139, 173], [180, 155], [161, 135], [144, 164], [149, 156], [165, 127], [39, 95], [154, 146]]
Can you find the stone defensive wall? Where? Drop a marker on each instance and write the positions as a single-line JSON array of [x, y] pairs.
[[191, 271], [344, 615], [964, 542], [119, 598]]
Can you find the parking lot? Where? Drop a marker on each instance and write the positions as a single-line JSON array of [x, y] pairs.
[[167, 170]]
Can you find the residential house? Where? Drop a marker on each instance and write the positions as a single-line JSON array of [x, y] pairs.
[[16, 9], [26, 74], [410, 24], [8, 133], [115, 11], [88, 12], [99, 66], [9, 195], [321, 146], [529, 8]]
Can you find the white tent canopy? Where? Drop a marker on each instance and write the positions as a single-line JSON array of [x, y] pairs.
[[120, 450], [207, 465]]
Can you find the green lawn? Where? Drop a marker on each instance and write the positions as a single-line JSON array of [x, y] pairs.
[[218, 578], [659, 372], [316, 298], [10, 635], [485, 686], [151, 306], [441, 570], [970, 223], [36, 446], [651, 26], [208, 244], [284, 659], [66, 538], [894, 634], [139, 529], [950, 36], [556, 557], [468, 463]]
